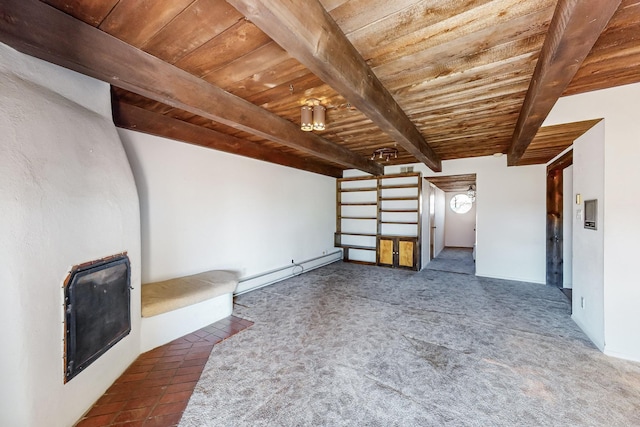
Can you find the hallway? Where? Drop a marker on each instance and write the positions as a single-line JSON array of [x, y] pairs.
[[454, 260]]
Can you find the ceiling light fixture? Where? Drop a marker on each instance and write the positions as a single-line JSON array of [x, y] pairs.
[[312, 115], [306, 118], [471, 193], [385, 153]]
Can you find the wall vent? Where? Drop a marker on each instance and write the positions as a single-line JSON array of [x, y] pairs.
[[406, 169]]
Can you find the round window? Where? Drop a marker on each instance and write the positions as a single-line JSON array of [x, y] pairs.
[[460, 203]]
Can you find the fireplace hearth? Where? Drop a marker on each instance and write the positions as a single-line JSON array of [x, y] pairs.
[[97, 304]]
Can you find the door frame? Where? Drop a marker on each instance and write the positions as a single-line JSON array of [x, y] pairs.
[[432, 221], [554, 235]]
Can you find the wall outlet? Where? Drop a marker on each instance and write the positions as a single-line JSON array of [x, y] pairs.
[[581, 302]]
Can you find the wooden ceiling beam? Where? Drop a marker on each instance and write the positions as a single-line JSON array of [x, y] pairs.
[[574, 29], [138, 119], [562, 162], [37, 29], [310, 34]]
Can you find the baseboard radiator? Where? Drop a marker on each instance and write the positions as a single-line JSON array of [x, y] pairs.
[[270, 277]]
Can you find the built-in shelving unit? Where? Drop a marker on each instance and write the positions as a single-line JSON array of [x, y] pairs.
[[356, 218], [377, 214]]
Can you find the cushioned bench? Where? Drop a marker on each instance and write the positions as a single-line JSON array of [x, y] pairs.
[[176, 307], [161, 297]]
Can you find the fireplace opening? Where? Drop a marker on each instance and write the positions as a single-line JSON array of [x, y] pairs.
[[97, 304]]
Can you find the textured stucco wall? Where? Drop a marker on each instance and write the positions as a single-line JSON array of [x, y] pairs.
[[203, 209], [619, 106], [67, 196]]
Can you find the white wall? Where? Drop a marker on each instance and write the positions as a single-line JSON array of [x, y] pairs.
[[511, 216], [459, 228], [588, 254], [67, 196], [429, 192], [441, 219], [203, 209], [427, 189], [621, 297], [567, 227]]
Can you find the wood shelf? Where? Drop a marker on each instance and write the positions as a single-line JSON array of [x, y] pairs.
[[362, 248], [359, 204], [359, 178], [382, 199], [409, 245], [387, 187], [400, 175], [353, 190], [357, 217], [361, 262], [399, 222]]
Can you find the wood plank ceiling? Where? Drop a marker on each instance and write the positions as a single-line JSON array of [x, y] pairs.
[[459, 71], [454, 183]]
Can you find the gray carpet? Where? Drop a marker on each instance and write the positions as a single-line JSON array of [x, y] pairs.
[[454, 260], [353, 345]]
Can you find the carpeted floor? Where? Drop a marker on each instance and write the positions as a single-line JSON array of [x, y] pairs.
[[353, 345], [454, 260]]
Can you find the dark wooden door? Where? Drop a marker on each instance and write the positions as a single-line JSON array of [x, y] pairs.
[[555, 220]]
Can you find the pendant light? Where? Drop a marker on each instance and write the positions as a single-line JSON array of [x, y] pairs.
[[312, 115], [306, 118]]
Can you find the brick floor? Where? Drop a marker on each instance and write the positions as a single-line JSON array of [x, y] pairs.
[[155, 389]]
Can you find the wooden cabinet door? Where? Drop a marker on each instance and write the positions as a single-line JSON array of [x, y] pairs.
[[386, 251], [406, 252], [398, 252]]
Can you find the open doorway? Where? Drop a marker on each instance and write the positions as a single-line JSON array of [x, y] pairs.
[[556, 222], [452, 223], [432, 222]]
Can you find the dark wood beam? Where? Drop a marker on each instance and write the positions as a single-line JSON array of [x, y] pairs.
[[561, 162], [138, 119], [574, 29], [309, 33], [37, 29]]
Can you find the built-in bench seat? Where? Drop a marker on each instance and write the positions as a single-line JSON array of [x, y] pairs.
[[176, 307]]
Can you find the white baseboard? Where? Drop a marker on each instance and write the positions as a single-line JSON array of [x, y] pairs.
[[513, 279], [598, 343], [618, 355]]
